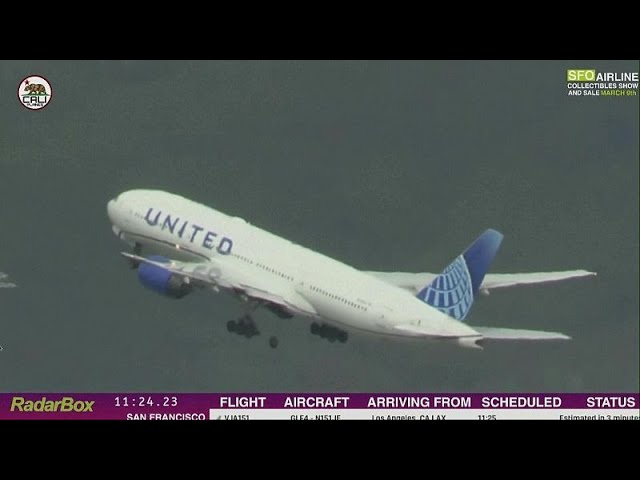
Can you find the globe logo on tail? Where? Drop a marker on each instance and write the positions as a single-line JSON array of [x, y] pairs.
[[452, 291]]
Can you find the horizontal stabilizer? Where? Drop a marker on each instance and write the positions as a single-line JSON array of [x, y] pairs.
[[493, 333], [501, 280], [418, 331], [414, 282]]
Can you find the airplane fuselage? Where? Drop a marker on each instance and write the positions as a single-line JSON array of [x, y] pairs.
[[319, 286]]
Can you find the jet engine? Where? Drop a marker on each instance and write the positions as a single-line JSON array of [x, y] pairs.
[[470, 342], [161, 280]]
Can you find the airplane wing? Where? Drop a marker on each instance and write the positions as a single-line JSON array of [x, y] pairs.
[[414, 282], [209, 274]]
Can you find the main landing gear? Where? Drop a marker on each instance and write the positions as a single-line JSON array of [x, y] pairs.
[[330, 333], [137, 250], [246, 327]]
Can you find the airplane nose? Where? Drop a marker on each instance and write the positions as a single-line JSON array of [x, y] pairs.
[[111, 210]]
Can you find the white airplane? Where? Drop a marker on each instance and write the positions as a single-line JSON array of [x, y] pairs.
[[4, 276], [188, 245]]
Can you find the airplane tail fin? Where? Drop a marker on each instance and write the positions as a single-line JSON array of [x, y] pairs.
[[453, 291]]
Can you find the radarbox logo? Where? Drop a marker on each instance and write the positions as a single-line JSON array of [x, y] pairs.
[[35, 92], [66, 404]]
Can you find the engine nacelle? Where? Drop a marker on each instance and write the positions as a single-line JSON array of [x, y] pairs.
[[161, 280], [470, 342]]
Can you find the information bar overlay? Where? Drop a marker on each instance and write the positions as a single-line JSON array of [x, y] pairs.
[[319, 406]]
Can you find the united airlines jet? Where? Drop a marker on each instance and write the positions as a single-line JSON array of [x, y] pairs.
[[7, 284], [180, 245]]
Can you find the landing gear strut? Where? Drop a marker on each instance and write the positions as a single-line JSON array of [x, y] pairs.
[[137, 250], [330, 333]]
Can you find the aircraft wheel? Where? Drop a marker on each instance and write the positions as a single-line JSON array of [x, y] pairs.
[[315, 328], [232, 326], [273, 342], [323, 331]]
